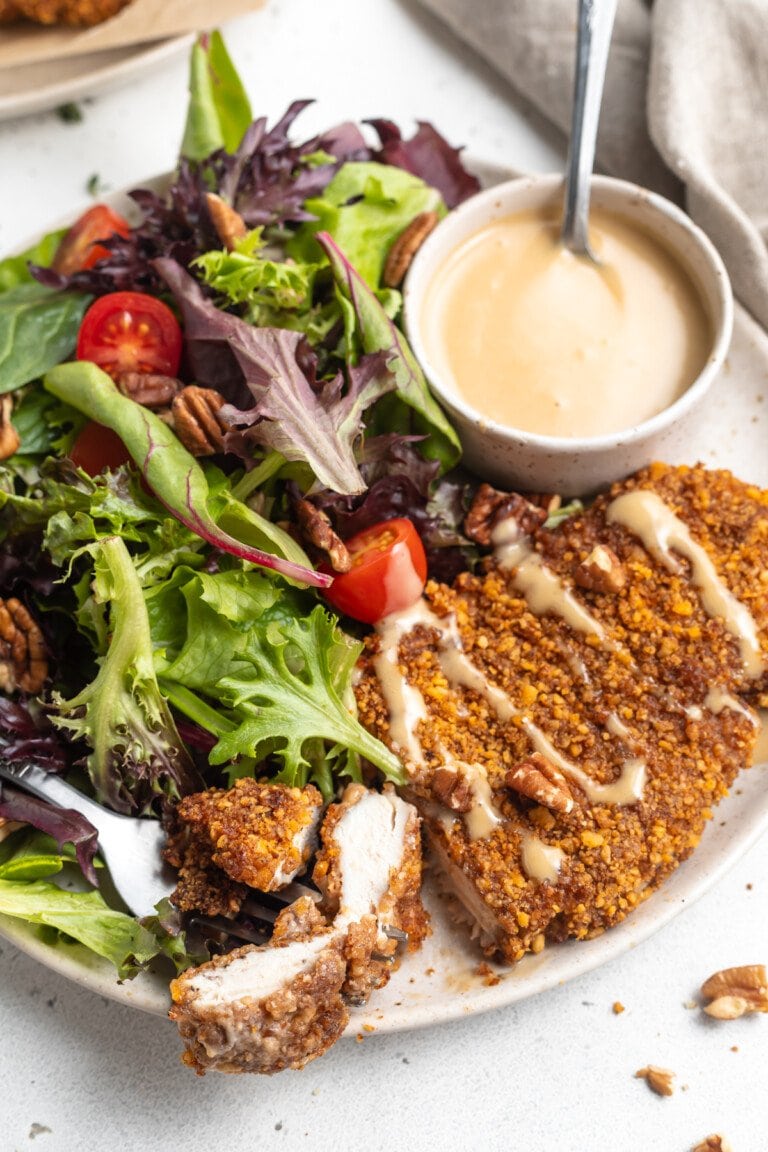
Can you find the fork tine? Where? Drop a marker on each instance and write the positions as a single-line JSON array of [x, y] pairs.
[[229, 928]]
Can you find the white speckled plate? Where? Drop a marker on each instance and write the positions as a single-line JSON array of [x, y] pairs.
[[441, 983]]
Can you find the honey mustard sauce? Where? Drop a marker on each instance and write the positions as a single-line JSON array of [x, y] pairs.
[[760, 750], [646, 516], [717, 700], [540, 861], [542, 589], [537, 338], [407, 708]]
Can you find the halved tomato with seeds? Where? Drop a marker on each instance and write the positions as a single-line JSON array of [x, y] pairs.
[[130, 332], [388, 573]]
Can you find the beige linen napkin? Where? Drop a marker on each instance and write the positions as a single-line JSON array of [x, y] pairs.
[[686, 99]]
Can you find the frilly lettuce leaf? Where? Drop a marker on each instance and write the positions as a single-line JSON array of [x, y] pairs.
[[277, 673], [135, 753]]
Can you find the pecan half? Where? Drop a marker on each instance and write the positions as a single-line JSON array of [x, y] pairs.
[[197, 420], [539, 780], [229, 224], [490, 507], [9, 437], [316, 529], [151, 389], [405, 248], [452, 789], [23, 660], [734, 992], [657, 1079], [602, 571]]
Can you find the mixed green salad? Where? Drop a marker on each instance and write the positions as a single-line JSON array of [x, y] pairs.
[[210, 423]]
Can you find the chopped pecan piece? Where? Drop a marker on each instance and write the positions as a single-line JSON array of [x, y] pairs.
[[549, 501], [151, 389], [452, 789], [602, 571], [734, 992], [229, 224], [197, 420], [714, 1143], [23, 660], [657, 1079], [405, 248], [539, 780], [316, 528], [9, 437], [490, 507]]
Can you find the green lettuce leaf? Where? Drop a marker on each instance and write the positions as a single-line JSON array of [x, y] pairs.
[[44, 425], [15, 269], [277, 672], [30, 855], [219, 112], [412, 408], [364, 208], [82, 916], [38, 329], [173, 474]]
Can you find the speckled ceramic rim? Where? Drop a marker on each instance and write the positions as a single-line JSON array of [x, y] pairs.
[[620, 196]]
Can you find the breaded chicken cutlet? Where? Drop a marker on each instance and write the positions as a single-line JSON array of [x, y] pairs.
[[226, 840], [569, 717]]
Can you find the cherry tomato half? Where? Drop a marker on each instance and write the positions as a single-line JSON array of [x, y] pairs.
[[130, 332], [97, 448], [388, 573], [80, 247]]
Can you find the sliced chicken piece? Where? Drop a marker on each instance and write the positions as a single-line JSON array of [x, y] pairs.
[[262, 1009], [257, 835], [369, 872]]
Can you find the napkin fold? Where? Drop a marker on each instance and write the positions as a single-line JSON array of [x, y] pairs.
[[685, 109]]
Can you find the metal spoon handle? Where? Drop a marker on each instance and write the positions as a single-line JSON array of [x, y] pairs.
[[593, 40]]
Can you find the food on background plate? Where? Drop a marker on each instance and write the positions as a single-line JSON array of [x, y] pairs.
[[72, 13], [218, 439]]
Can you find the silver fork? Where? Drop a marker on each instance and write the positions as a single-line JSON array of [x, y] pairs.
[[131, 848]]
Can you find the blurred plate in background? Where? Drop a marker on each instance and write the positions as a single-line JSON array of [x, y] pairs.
[[46, 84]]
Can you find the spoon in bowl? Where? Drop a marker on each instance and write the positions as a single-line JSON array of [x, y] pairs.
[[595, 24]]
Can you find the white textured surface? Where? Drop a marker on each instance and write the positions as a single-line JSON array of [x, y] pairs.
[[553, 1074]]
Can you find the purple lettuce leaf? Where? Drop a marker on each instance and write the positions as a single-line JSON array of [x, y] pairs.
[[266, 180], [64, 824], [401, 482], [26, 733], [317, 423], [428, 155]]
